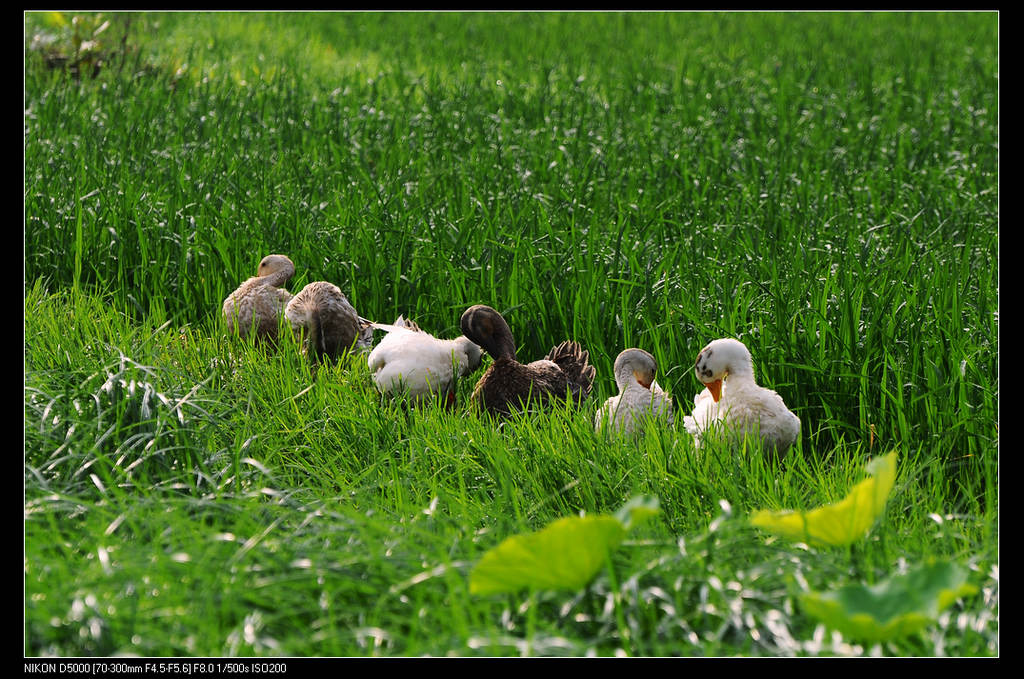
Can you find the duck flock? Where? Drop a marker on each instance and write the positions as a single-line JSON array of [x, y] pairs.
[[422, 367]]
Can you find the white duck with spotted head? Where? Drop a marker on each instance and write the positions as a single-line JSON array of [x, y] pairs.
[[258, 303], [734, 403], [639, 399]]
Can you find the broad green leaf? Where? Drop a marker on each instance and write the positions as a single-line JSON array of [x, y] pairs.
[[637, 510], [565, 554], [840, 523], [896, 607]]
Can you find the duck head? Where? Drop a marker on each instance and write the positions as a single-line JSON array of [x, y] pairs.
[[278, 267], [485, 327], [718, 360], [473, 354], [635, 364]]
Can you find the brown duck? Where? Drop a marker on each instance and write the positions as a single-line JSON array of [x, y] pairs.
[[508, 385], [258, 303], [323, 318]]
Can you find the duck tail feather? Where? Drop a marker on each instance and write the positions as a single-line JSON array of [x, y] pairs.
[[574, 361], [408, 323]]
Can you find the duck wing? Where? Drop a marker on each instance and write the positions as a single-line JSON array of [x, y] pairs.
[[661, 402], [606, 414], [764, 411], [255, 305], [508, 386]]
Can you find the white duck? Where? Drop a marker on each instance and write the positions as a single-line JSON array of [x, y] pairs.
[[639, 397], [734, 401], [409, 359], [258, 303]]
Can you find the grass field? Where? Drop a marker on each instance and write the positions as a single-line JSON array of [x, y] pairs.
[[823, 187]]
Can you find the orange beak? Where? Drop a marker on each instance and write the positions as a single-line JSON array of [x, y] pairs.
[[646, 385], [716, 389]]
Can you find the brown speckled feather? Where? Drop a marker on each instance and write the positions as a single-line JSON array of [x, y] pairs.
[[258, 303], [330, 323]]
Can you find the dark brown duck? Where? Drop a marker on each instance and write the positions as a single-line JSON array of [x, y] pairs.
[[509, 385]]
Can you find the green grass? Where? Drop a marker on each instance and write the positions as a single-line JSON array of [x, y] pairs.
[[821, 186]]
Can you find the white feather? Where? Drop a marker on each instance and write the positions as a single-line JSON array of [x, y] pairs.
[[418, 362]]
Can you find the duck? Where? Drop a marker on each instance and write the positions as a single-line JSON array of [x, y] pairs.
[[639, 398], [733, 401], [326, 323], [508, 385], [415, 362], [258, 303]]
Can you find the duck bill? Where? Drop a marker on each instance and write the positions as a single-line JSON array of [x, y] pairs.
[[716, 389], [639, 378]]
